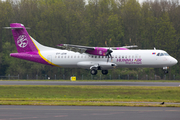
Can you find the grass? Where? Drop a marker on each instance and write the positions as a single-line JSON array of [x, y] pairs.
[[101, 80], [88, 95]]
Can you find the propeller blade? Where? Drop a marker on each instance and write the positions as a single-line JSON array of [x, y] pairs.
[[106, 43], [111, 57], [108, 54], [108, 59]]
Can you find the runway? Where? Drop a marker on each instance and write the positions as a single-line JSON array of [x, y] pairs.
[[87, 113], [90, 83]]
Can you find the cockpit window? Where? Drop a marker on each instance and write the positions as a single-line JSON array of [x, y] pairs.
[[162, 54], [166, 54]]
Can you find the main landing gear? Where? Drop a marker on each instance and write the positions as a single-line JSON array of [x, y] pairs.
[[94, 72], [104, 72]]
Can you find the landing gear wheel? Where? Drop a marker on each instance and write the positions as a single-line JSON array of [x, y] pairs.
[[166, 71], [104, 72], [93, 72]]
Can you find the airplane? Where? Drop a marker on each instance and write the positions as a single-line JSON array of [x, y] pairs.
[[92, 58]]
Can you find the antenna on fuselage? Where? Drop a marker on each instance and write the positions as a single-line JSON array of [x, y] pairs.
[[154, 48]]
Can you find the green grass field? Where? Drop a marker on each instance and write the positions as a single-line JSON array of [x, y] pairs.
[[101, 80], [88, 95]]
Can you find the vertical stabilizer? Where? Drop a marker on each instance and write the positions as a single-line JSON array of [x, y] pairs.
[[22, 39]]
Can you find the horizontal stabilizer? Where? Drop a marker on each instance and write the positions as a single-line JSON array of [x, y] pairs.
[[15, 28]]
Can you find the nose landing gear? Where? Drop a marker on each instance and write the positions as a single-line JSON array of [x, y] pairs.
[[165, 70]]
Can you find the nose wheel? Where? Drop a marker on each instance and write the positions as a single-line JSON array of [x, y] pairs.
[[165, 71], [93, 72]]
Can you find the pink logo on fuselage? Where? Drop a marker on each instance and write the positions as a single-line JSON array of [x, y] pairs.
[[22, 41]]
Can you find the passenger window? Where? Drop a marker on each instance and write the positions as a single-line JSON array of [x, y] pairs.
[[61, 56], [92, 56], [158, 54], [122, 56], [119, 56], [95, 56], [58, 56], [64, 56]]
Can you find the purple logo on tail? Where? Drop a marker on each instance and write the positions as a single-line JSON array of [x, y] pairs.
[[22, 41]]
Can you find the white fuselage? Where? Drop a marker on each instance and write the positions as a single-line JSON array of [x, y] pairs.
[[122, 58]]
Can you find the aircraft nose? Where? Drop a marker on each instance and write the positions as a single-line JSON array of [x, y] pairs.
[[173, 61]]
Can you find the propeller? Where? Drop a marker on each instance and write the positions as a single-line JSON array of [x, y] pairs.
[[109, 51], [108, 54]]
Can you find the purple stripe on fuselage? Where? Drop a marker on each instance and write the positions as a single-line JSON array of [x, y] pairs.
[[30, 56]]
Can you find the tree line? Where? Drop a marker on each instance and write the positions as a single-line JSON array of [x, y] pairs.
[[126, 22]]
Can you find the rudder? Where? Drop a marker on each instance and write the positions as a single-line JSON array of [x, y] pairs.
[[22, 39]]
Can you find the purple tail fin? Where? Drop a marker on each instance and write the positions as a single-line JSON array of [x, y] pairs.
[[22, 39]]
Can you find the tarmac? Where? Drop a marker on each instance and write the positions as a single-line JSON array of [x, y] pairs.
[[11, 112], [175, 84]]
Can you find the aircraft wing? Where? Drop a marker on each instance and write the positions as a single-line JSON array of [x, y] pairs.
[[75, 47], [132, 46], [100, 51]]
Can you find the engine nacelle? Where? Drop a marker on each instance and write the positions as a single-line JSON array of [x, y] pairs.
[[97, 51], [98, 66]]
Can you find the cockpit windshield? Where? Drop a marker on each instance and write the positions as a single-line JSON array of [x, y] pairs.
[[162, 54], [166, 54]]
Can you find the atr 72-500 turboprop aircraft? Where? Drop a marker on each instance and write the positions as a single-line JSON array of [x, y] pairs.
[[93, 58]]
